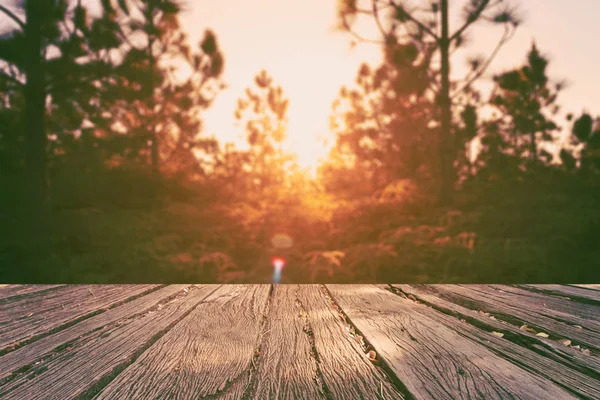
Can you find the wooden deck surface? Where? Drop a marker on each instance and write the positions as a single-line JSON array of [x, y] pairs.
[[299, 342]]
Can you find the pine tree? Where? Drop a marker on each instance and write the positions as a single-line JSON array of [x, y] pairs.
[[427, 26], [262, 113], [154, 109], [586, 134], [25, 50], [527, 98], [381, 125]]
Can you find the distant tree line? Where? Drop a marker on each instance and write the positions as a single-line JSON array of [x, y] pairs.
[[405, 119], [124, 89]]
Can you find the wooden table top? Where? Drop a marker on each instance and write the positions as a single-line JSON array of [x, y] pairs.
[[299, 341]]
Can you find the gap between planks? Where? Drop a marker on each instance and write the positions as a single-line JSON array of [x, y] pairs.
[[11, 292], [567, 367], [207, 354], [30, 318], [301, 350], [28, 355], [432, 359], [88, 364], [539, 313]]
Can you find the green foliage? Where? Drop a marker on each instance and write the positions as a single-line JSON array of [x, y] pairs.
[[160, 112], [117, 110], [381, 127], [409, 31], [526, 97], [509, 232], [587, 135], [129, 225], [582, 128]]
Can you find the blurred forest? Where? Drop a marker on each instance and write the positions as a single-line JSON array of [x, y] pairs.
[[106, 175]]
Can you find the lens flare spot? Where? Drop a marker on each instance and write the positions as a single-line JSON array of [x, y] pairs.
[[282, 241], [278, 263]]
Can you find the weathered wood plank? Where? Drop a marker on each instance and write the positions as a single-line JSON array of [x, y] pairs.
[[41, 348], [431, 359], [306, 353], [346, 371], [521, 310], [587, 292], [286, 369], [27, 317], [588, 286], [83, 367], [560, 308], [207, 353], [563, 365], [8, 290], [436, 297]]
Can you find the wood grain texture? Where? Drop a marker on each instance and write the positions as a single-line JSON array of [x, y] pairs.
[[563, 365], [346, 371], [286, 367], [41, 348], [524, 309], [560, 308], [8, 290], [588, 292], [588, 286], [207, 353], [87, 364], [294, 341], [306, 352], [432, 359], [566, 354], [30, 316]]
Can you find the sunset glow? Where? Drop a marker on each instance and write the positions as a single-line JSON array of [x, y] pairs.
[[296, 42], [297, 142]]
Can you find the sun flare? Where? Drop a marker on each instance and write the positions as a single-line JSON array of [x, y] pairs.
[[307, 146]]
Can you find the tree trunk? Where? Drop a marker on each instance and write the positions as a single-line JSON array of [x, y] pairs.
[[533, 148], [35, 135], [445, 156], [154, 155], [154, 137]]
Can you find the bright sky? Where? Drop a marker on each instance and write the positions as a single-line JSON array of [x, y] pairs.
[[295, 42]]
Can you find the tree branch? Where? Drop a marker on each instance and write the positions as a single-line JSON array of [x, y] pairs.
[[416, 21], [12, 16], [377, 21], [473, 16], [508, 33], [356, 35]]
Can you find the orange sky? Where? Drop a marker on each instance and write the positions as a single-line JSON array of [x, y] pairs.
[[294, 41]]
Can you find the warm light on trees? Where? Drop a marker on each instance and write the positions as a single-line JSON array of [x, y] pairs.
[[427, 28], [262, 113]]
